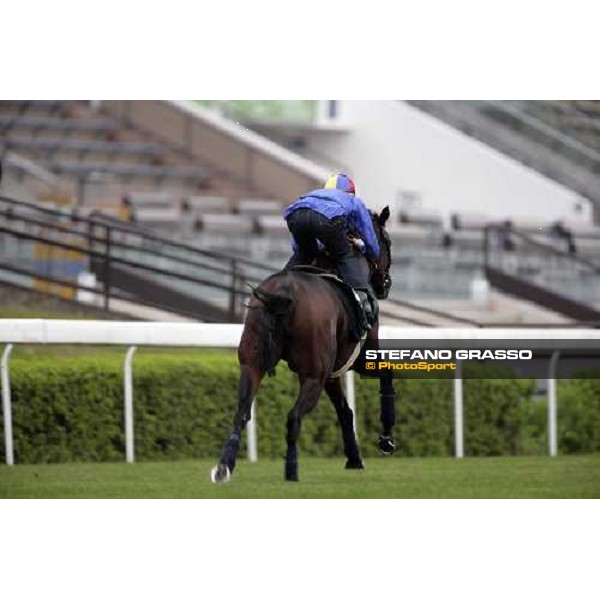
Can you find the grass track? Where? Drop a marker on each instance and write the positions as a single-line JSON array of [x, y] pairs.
[[506, 477]]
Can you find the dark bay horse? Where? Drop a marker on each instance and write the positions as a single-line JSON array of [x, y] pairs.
[[298, 317]]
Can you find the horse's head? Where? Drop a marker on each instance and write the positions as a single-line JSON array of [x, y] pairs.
[[381, 280]]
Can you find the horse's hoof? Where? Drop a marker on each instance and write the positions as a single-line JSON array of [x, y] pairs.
[[386, 445], [355, 464], [220, 474]]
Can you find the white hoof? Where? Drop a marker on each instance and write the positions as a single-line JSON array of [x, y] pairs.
[[220, 474]]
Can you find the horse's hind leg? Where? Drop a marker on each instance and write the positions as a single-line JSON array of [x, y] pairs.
[[333, 387], [250, 379], [310, 390]]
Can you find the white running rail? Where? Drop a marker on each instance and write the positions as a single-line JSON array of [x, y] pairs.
[[208, 335]]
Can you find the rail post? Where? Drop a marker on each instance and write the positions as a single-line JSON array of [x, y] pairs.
[[486, 247], [6, 406], [106, 267], [128, 385], [552, 435], [458, 412]]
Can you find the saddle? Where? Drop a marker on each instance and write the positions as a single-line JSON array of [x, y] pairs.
[[347, 296]]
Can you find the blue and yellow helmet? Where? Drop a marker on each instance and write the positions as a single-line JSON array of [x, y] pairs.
[[340, 181]]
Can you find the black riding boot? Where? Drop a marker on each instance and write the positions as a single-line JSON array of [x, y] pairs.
[[367, 310]]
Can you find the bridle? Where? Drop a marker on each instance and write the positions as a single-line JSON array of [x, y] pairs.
[[375, 271]]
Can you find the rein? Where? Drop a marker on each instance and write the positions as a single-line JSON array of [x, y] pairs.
[[374, 269]]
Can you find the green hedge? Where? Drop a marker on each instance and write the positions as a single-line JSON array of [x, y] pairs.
[[579, 415], [71, 409]]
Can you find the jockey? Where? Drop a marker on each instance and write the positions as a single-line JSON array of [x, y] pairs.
[[327, 215]]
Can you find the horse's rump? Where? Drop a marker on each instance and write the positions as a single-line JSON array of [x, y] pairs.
[[293, 312], [265, 326]]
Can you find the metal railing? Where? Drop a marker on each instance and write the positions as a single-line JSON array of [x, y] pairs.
[[560, 272], [109, 246], [115, 250]]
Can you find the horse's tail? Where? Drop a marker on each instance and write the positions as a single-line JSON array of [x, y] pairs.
[[275, 307]]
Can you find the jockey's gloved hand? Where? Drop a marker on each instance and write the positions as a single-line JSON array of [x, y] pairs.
[[358, 243]]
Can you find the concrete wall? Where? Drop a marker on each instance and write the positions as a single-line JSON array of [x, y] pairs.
[[392, 147], [258, 163]]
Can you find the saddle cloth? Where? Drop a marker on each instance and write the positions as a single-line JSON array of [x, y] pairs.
[[346, 295], [351, 304]]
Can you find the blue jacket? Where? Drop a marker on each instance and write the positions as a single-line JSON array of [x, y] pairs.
[[335, 203]]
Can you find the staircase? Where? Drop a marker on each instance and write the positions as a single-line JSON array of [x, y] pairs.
[[558, 139], [552, 278]]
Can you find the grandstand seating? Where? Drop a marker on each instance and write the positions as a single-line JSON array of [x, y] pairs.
[[419, 234], [582, 231], [589, 247], [271, 225], [255, 207], [106, 163], [430, 219], [138, 200], [127, 170], [199, 205], [469, 220], [466, 239], [201, 215], [165, 219], [75, 142], [226, 223], [188, 199], [43, 146], [10, 124]]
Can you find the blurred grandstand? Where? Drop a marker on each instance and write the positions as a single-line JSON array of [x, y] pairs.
[[154, 207]]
